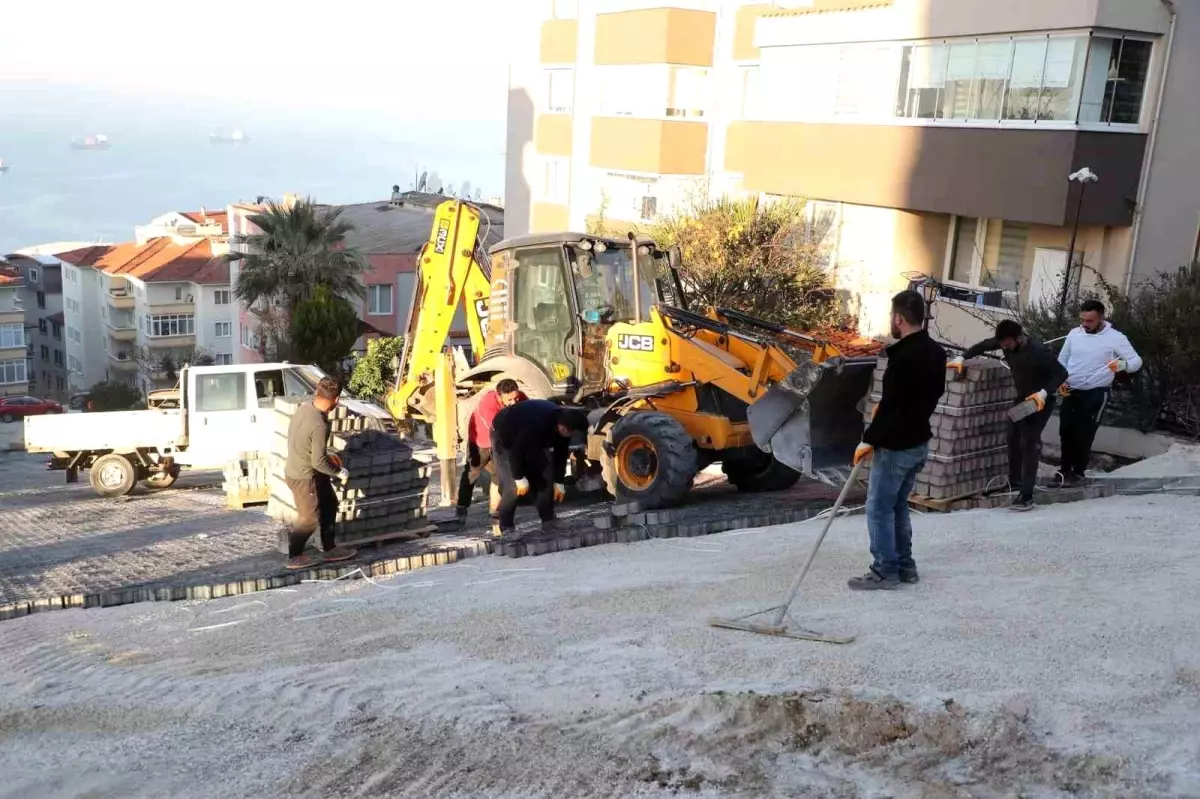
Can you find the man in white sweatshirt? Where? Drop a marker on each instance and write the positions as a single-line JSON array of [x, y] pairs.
[[1093, 354]]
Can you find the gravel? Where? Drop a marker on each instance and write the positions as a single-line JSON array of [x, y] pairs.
[[1043, 654], [1181, 460]]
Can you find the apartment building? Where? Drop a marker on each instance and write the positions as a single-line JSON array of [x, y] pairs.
[[13, 375], [46, 331], [937, 135], [146, 309]]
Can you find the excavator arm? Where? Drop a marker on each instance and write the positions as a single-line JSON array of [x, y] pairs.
[[450, 272]]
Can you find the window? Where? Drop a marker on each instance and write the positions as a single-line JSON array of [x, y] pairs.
[[74, 335], [74, 364], [42, 327], [649, 208], [222, 297], [41, 299], [222, 329], [172, 324], [221, 392], [556, 186], [12, 372], [544, 322], [12, 335], [750, 85], [379, 300], [922, 76], [687, 92], [56, 330], [249, 337], [1116, 80], [822, 229], [560, 90], [33, 275], [61, 383], [73, 305], [654, 92], [987, 254], [45, 353], [59, 360], [178, 293], [72, 276], [223, 359]]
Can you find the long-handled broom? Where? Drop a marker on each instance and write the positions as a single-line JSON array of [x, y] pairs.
[[777, 625]]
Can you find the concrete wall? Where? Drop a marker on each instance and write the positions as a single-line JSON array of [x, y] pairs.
[[208, 313]]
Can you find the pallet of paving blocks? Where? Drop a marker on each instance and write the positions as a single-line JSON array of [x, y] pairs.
[[387, 495], [247, 480], [968, 454]]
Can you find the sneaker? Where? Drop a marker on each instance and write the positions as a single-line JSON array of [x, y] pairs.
[[510, 535], [1021, 504], [302, 562], [1074, 481], [338, 554], [873, 582], [909, 576]]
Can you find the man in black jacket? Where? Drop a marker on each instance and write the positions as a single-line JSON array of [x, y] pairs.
[[522, 435], [898, 442], [1038, 375]]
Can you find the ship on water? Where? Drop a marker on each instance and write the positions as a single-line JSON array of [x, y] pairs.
[[95, 142], [235, 136]]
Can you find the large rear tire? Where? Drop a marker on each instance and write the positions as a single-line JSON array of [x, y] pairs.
[[753, 470], [654, 460], [112, 475]]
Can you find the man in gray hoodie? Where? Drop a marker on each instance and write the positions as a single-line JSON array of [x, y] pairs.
[[308, 472]]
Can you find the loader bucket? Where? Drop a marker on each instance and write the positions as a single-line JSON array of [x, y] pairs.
[[812, 421]]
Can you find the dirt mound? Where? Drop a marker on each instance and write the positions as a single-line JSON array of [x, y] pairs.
[[724, 744]]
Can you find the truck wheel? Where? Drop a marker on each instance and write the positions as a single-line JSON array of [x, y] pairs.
[[160, 480], [654, 460], [113, 476], [755, 470], [6, 418]]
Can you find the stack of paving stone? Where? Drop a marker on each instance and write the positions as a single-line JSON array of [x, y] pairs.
[[247, 480], [969, 451], [388, 490]]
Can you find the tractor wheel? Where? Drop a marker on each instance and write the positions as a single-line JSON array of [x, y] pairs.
[[113, 475], [654, 460], [753, 470]]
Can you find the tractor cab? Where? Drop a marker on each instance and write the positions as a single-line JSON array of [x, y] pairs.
[[555, 296]]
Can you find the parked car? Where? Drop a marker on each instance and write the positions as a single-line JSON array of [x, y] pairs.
[[13, 408], [76, 402]]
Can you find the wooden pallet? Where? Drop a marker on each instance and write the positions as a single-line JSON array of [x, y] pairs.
[[419, 532], [247, 499]]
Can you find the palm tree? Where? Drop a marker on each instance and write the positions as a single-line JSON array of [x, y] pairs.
[[296, 249]]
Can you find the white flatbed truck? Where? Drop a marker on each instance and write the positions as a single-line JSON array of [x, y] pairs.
[[223, 411]]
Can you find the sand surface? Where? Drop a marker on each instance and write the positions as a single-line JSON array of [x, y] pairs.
[[1055, 653], [1181, 460]]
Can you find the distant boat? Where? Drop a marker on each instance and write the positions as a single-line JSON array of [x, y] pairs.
[[236, 136], [3, 166], [97, 142]]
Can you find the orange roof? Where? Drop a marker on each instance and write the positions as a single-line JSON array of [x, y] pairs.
[[157, 261], [9, 277], [218, 217]]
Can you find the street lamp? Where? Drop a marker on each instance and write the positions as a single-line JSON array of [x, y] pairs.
[[1082, 177]]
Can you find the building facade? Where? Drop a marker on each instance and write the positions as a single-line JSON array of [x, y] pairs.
[[46, 332], [13, 348], [936, 137]]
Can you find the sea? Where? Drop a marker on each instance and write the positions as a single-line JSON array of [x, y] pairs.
[[158, 163]]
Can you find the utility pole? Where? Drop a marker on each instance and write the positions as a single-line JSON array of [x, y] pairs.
[[1082, 177]]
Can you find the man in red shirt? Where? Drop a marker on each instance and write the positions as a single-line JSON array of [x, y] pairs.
[[479, 441]]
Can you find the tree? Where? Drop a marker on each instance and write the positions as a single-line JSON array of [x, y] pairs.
[[755, 257], [375, 372], [112, 396], [297, 249], [324, 329]]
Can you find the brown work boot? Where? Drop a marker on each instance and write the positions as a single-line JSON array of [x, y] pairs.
[[338, 554], [302, 562]]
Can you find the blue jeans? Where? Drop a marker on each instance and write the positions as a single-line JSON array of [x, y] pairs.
[[893, 474]]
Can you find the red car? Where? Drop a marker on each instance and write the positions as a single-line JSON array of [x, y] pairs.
[[13, 408]]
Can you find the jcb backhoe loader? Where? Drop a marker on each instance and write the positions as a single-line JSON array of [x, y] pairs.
[[603, 324]]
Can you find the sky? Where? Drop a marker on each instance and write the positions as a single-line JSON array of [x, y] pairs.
[[378, 59]]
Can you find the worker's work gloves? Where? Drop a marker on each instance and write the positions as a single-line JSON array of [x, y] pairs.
[[1038, 399], [1118, 365], [560, 492], [334, 460], [862, 453], [957, 365], [343, 475], [1064, 391], [522, 487]]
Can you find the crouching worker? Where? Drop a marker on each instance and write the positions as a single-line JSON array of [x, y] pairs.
[[530, 443], [308, 473], [479, 443]]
